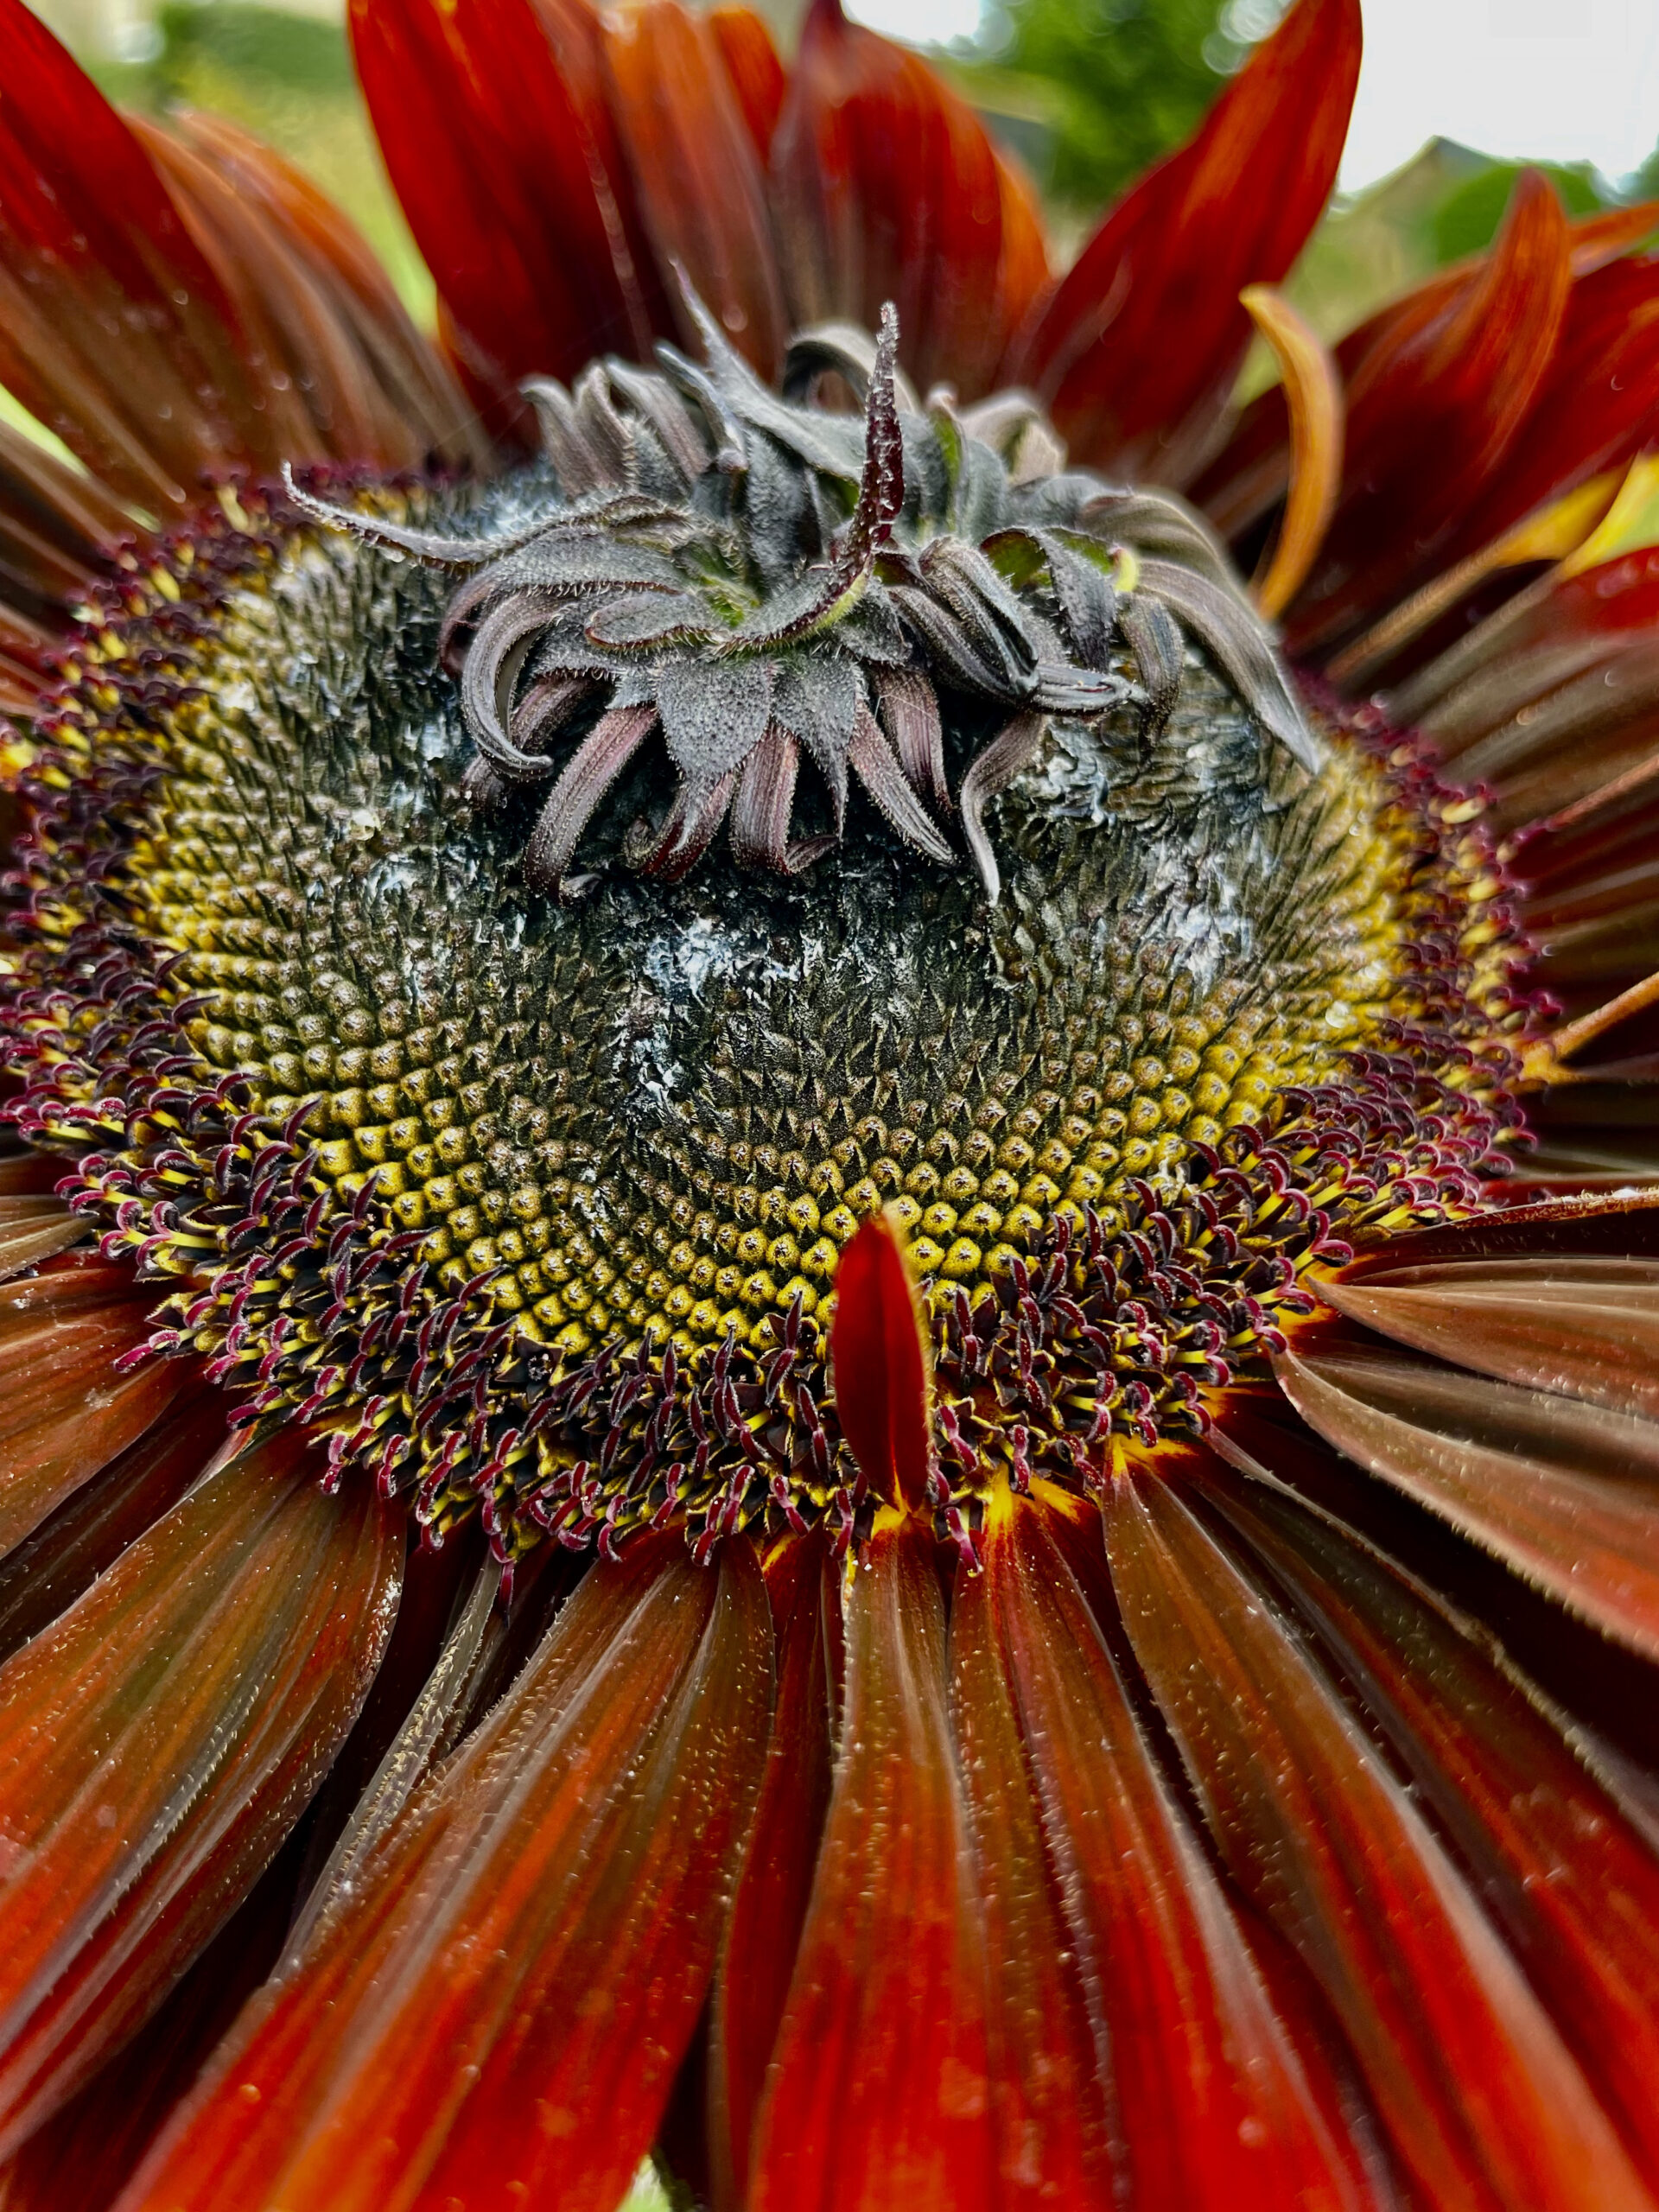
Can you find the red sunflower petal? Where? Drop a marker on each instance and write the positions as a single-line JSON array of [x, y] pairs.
[[1566, 1494], [1571, 1879], [64, 1412], [1248, 475], [890, 188], [373, 388], [1234, 207], [1432, 410], [159, 1740], [86, 2152], [497, 2010], [1590, 1327], [1113, 1950], [701, 190], [879, 1360], [1480, 2099], [68, 1552], [493, 119], [1596, 409], [758, 76], [878, 2093], [113, 329], [770, 1910]]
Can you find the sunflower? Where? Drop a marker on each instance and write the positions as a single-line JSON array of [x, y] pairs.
[[831, 1229]]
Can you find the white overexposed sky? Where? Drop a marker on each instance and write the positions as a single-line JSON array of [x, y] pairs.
[[1565, 80]]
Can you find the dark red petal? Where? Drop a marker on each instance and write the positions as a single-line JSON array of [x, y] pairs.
[[492, 117], [701, 192], [757, 74], [159, 1740], [879, 1362], [377, 385], [1481, 2101], [1431, 412], [113, 329], [1138, 347], [878, 2091], [1572, 1881], [889, 189], [1565, 1493], [1048, 2044], [85, 2154], [496, 2012], [770, 1909], [1113, 1954], [1590, 1327]]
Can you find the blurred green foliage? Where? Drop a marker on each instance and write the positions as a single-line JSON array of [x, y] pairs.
[[1092, 91], [1468, 219]]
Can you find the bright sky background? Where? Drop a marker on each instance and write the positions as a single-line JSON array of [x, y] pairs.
[[1567, 80]]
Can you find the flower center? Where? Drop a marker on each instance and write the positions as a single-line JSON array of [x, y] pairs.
[[538, 1204]]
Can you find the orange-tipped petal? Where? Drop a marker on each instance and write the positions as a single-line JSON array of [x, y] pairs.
[[701, 192], [1313, 395], [879, 1360], [1139, 345], [1135, 2052], [889, 189], [1479, 2097], [770, 1910], [90, 245], [493, 120], [1566, 1494], [1250, 473], [496, 2012], [1571, 1879], [878, 2092], [158, 1742], [1432, 409]]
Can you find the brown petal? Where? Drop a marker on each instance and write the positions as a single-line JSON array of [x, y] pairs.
[[159, 1740], [701, 190], [113, 329], [878, 2093], [1590, 1327], [889, 189], [1566, 1494], [497, 2010], [1481, 2101]]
